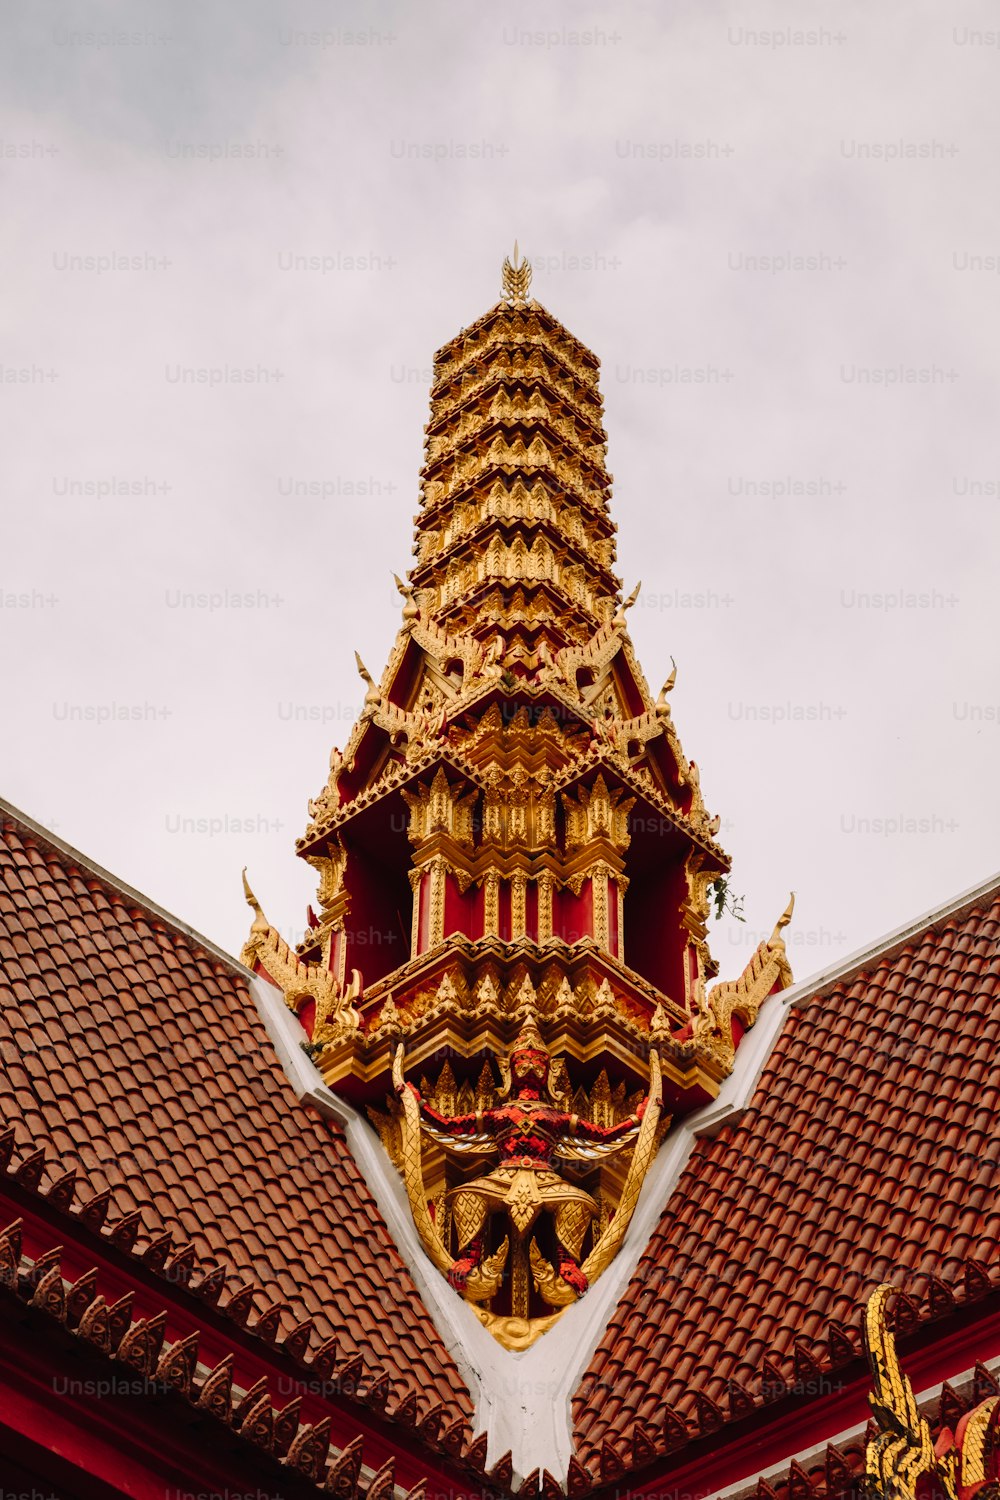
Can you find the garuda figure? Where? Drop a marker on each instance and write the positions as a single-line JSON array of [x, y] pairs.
[[529, 1132]]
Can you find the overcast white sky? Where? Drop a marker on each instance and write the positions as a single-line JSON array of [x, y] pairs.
[[836, 646]]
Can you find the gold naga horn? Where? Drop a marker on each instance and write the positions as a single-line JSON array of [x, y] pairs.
[[484, 1282]]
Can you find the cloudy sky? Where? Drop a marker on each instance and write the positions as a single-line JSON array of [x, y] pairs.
[[777, 226]]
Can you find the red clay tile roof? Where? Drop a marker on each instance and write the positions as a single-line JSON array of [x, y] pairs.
[[135, 1054], [282, 1447], [870, 1151]]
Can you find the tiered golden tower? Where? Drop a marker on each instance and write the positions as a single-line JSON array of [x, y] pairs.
[[513, 853]]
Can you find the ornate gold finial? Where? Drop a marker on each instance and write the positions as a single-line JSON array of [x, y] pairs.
[[372, 696], [626, 605], [661, 706], [516, 280], [260, 922], [783, 920], [410, 609]]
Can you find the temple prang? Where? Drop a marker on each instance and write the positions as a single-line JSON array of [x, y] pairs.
[[494, 1188], [511, 838]]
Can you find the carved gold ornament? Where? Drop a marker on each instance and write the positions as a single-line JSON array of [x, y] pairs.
[[514, 854], [529, 1134], [516, 280], [903, 1461]]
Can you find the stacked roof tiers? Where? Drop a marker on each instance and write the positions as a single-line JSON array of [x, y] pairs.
[[512, 827]]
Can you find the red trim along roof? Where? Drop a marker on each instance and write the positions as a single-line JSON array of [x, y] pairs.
[[870, 1151], [134, 1054]]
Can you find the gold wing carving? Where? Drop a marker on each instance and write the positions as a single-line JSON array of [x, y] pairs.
[[571, 1149], [478, 1144]]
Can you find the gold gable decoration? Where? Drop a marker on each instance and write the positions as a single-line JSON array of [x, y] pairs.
[[514, 854]]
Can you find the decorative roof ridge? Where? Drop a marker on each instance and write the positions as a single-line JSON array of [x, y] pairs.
[[73, 856], [683, 1432], [962, 1391], [441, 506], [522, 950], [123, 1235], [534, 382], [467, 443], [596, 755], [138, 1343]]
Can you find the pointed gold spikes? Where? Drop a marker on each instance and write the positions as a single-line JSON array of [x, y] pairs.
[[516, 280], [260, 922], [783, 920], [662, 706]]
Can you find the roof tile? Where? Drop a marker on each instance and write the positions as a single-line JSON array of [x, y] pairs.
[[112, 1061], [878, 1104]]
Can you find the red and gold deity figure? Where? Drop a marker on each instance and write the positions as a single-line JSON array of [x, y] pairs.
[[531, 1131]]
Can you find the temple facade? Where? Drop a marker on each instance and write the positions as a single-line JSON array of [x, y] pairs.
[[514, 818], [494, 1185]]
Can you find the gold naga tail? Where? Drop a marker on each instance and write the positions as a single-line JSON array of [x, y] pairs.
[[903, 1450], [412, 1174]]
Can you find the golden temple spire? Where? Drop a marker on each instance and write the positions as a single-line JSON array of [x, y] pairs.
[[509, 781], [514, 537], [516, 280]]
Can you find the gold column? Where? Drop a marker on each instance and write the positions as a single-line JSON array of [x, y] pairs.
[[491, 904], [545, 887], [416, 877], [518, 904], [599, 890]]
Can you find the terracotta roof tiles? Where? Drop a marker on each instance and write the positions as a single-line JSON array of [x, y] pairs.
[[140, 1058], [871, 1146]]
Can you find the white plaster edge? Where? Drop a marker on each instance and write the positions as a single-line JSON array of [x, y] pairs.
[[454, 1320]]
